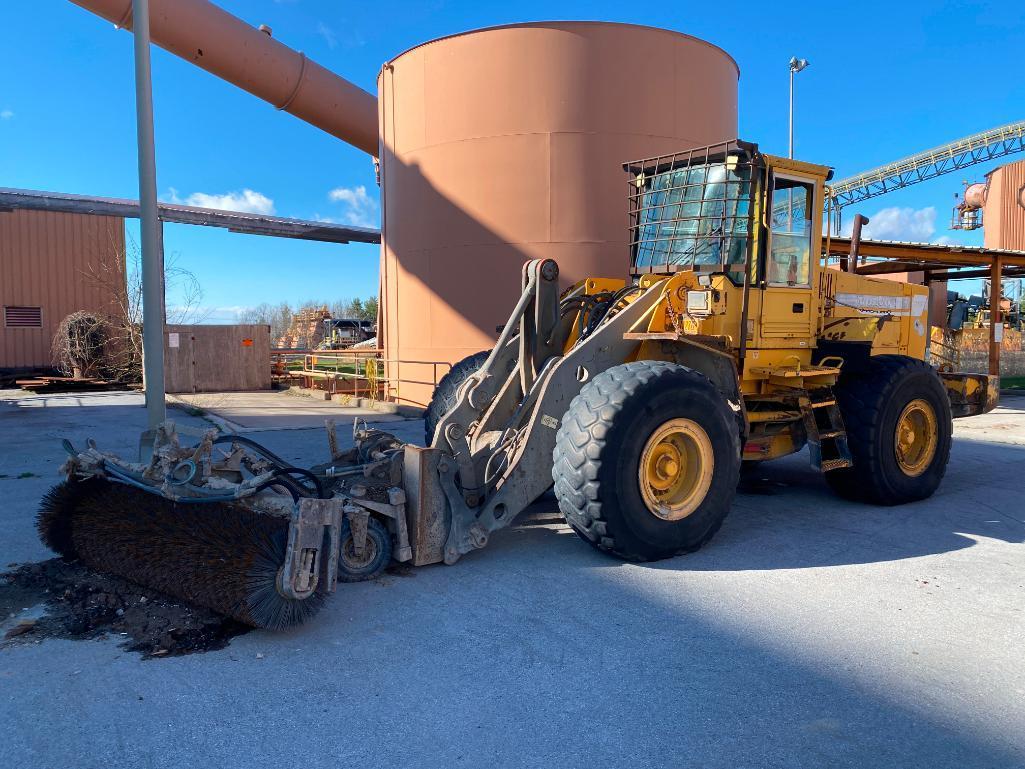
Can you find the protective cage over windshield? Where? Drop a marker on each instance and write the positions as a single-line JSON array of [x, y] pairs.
[[693, 210]]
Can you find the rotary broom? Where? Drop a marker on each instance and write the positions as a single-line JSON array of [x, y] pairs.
[[237, 531]]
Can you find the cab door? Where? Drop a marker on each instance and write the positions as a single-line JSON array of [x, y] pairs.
[[788, 313]]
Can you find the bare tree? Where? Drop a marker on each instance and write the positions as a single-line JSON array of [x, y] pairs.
[[278, 317], [341, 308], [120, 274]]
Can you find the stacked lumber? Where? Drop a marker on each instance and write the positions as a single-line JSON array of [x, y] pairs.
[[306, 330]]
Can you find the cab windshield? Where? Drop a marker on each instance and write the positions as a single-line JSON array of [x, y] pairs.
[[692, 216]]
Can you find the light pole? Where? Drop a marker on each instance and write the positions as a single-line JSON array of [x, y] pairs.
[[796, 65]]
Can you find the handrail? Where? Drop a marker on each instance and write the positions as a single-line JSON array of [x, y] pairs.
[[376, 383]]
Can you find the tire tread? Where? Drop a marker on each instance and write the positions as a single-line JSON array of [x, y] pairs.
[[444, 397], [582, 440], [863, 398]]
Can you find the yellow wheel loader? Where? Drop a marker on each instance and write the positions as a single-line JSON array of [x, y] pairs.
[[638, 398]]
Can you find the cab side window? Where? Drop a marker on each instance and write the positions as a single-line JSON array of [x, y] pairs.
[[790, 237]]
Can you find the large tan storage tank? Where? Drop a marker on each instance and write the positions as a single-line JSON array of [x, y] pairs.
[[506, 144], [1004, 212]]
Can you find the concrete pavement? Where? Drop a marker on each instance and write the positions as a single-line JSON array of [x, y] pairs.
[[276, 410], [811, 632]]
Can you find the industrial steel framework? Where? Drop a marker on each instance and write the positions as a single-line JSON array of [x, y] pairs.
[[233, 221], [978, 148]]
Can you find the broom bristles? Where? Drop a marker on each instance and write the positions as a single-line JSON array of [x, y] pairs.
[[53, 521], [224, 556]]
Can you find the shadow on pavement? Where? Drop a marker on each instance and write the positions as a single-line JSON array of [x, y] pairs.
[[789, 518]]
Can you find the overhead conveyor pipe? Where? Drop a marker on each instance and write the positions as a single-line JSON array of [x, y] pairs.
[[224, 45]]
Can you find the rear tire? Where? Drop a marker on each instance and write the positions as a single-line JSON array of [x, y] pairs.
[[609, 496], [897, 416], [444, 397]]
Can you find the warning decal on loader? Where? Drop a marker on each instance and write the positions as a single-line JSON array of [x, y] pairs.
[[895, 305]]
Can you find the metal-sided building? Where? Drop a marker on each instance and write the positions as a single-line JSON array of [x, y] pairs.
[[51, 265], [1004, 207]]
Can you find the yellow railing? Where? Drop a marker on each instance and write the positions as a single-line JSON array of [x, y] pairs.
[[362, 373]]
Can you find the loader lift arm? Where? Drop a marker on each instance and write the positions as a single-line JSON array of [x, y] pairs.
[[500, 435]]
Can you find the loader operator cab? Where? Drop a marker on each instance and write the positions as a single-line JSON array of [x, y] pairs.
[[701, 210]]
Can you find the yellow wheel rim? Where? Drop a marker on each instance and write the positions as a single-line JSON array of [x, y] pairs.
[[676, 467], [916, 437]]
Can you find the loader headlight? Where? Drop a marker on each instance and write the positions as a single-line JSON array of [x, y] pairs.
[[699, 302]]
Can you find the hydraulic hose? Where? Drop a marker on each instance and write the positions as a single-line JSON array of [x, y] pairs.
[[259, 448], [287, 472], [282, 465], [130, 481]]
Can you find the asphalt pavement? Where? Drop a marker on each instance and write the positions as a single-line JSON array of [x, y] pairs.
[[811, 632]]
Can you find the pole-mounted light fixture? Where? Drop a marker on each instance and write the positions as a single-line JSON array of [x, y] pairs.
[[796, 65]]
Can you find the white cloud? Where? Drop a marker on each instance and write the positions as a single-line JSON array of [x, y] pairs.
[[328, 34], [894, 223], [247, 201], [6, 114], [361, 210]]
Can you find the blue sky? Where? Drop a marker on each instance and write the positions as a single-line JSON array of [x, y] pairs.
[[886, 80]]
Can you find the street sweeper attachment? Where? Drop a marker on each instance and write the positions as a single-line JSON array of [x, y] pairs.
[[238, 531]]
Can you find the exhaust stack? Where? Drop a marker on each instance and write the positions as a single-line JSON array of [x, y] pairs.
[[224, 45]]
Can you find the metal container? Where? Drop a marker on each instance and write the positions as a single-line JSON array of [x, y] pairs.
[[507, 144], [1004, 212], [975, 195]]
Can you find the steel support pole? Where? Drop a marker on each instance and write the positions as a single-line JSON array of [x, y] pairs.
[[152, 242], [996, 323]]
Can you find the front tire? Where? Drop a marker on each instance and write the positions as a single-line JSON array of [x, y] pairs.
[[898, 422], [444, 397], [647, 460]]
